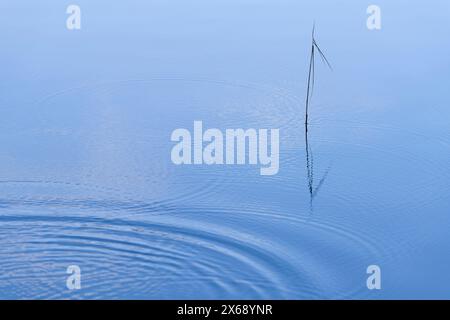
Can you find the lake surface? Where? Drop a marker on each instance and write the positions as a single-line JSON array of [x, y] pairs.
[[85, 171]]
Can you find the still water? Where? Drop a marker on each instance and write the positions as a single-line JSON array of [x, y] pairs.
[[85, 171]]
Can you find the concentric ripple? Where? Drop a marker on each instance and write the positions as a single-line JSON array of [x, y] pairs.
[[87, 180]]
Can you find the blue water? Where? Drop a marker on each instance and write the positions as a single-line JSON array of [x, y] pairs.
[[85, 171]]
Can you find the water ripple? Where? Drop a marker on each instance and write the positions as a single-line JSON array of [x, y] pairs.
[[181, 252]]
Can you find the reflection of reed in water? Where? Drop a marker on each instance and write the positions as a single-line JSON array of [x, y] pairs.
[[309, 91], [313, 190]]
